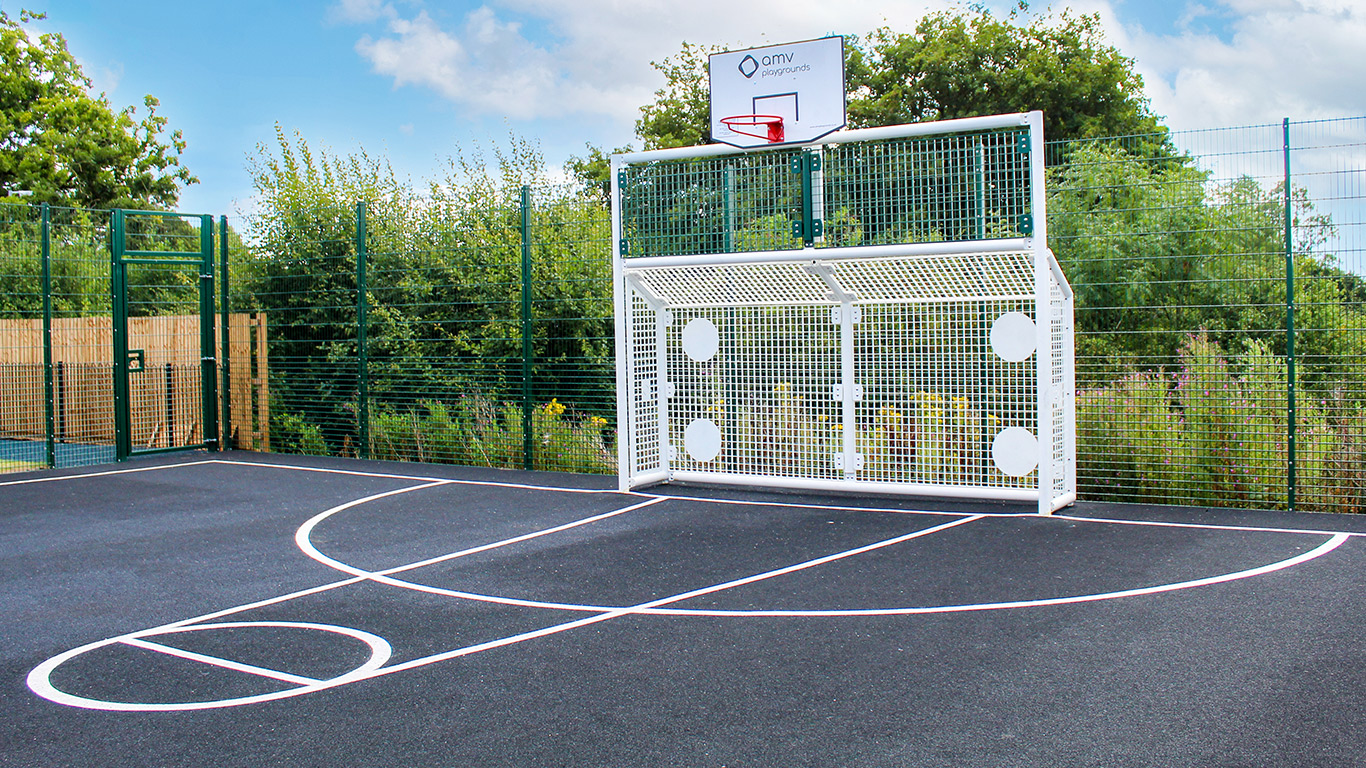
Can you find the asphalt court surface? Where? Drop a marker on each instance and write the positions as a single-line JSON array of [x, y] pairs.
[[241, 609]]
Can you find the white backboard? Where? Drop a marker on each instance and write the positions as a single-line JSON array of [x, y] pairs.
[[803, 83]]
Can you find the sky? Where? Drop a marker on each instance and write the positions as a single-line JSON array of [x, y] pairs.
[[416, 81]]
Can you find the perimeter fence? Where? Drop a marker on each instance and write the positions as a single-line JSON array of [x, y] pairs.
[[1221, 319]]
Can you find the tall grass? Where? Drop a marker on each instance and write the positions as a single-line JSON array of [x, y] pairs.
[[478, 431], [1215, 432]]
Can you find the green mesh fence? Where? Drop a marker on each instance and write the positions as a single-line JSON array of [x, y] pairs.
[[1204, 292], [960, 187], [472, 331], [54, 285], [1221, 348]]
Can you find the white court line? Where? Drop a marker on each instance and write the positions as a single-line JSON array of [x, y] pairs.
[[645, 607], [702, 500], [40, 677], [654, 607], [1207, 526], [784, 504], [384, 577], [1323, 549], [107, 472], [419, 478], [215, 661], [302, 538]]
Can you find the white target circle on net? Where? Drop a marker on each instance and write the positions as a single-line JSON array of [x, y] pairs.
[[702, 438], [701, 339], [1013, 337], [1015, 451]]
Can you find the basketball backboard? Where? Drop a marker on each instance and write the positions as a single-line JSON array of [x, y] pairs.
[[802, 83]]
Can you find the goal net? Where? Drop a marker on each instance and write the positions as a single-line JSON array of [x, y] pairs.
[[879, 312]]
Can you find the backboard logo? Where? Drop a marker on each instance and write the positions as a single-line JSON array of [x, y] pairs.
[[748, 66]]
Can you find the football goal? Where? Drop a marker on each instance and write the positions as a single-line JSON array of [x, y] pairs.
[[875, 312]]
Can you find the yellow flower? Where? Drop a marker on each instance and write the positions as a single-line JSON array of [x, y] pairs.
[[553, 408], [597, 421], [822, 417]]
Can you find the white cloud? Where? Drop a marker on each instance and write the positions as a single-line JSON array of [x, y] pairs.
[[1223, 62], [1277, 58], [547, 58]]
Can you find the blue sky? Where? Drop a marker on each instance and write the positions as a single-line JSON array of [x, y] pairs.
[[414, 80]]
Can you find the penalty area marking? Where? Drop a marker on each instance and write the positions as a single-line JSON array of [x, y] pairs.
[[303, 536]]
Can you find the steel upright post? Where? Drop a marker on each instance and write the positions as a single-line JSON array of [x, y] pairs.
[[225, 393], [208, 361], [123, 442], [362, 317], [49, 401], [528, 428], [1290, 416]]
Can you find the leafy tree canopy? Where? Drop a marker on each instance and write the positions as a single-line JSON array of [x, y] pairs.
[[68, 147], [954, 64], [961, 65]]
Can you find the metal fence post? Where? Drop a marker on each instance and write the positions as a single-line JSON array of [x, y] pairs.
[[123, 440], [528, 427], [225, 407], [1290, 417], [208, 361], [49, 402], [362, 361]]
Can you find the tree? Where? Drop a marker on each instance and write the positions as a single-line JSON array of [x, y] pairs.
[[70, 148], [443, 289], [957, 65], [681, 113], [1156, 251]]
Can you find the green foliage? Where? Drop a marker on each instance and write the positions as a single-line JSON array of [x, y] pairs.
[[443, 284], [958, 64], [80, 262], [1214, 432], [594, 171], [294, 434], [680, 116], [70, 148], [478, 431], [1154, 249]]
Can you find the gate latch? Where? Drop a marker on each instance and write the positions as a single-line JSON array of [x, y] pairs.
[[136, 360]]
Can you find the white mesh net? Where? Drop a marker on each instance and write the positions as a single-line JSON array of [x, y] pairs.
[[754, 358], [898, 348]]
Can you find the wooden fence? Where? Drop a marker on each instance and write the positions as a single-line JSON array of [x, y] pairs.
[[164, 396]]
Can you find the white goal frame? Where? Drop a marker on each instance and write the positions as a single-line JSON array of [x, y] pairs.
[[955, 422]]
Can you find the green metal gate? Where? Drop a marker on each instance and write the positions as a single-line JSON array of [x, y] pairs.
[[161, 278]]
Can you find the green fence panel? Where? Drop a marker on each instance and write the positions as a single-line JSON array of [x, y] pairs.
[[1220, 281]]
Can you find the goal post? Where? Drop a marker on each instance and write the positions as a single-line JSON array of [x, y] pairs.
[[875, 312]]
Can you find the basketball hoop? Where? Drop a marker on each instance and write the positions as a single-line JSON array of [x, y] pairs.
[[772, 126]]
